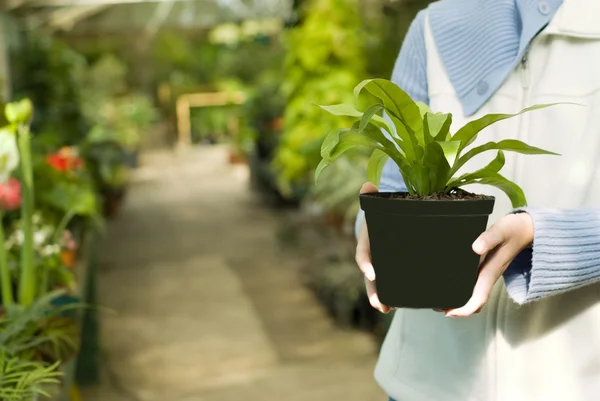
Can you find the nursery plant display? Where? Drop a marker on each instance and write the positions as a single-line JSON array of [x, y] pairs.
[[428, 157], [36, 277], [49, 72], [324, 61]]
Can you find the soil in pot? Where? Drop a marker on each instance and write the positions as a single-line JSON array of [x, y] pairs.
[[421, 246]]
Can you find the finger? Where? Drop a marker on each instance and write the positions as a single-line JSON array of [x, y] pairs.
[[374, 299], [491, 270], [490, 239], [363, 254], [368, 188]]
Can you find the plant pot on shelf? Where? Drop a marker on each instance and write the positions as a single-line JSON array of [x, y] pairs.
[[421, 249], [133, 158], [113, 198]]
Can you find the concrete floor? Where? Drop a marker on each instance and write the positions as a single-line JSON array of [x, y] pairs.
[[208, 305]]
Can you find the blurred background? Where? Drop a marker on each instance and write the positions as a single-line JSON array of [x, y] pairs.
[[180, 137]]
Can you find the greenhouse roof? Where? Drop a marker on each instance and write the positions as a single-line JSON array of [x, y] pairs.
[[117, 16]]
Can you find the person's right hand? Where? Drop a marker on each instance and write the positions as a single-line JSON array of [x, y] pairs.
[[363, 258]]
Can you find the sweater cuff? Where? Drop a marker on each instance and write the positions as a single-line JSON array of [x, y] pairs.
[[565, 255]]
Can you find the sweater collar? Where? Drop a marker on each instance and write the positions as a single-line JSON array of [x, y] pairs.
[[474, 80]]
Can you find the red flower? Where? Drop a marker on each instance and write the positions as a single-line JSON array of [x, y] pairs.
[[10, 195], [64, 160], [57, 162]]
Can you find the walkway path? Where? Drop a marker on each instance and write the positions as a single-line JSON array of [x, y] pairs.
[[209, 308]]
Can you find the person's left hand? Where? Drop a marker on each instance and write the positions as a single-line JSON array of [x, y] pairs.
[[498, 246]]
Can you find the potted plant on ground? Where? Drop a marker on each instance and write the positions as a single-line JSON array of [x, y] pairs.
[[416, 235]]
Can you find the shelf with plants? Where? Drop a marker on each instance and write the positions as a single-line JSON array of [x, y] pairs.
[[324, 59], [49, 209]]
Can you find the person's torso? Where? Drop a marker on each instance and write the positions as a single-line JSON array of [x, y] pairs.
[[550, 349]]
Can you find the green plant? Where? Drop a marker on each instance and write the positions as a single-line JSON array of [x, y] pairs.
[[106, 161], [336, 190], [419, 142], [325, 59], [22, 380], [48, 72], [29, 337]]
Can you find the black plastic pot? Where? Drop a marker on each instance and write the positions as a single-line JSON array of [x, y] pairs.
[[421, 249]]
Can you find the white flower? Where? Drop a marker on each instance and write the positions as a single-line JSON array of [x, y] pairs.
[[9, 153], [50, 250], [19, 237], [39, 237]]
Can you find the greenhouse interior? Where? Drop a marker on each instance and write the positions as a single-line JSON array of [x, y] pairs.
[[164, 235]]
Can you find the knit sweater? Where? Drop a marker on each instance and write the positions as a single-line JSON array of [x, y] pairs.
[[478, 58]]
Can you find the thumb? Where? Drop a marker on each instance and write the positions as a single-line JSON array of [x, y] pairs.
[[368, 188]]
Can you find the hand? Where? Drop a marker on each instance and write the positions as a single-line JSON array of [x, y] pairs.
[[363, 258], [498, 246]]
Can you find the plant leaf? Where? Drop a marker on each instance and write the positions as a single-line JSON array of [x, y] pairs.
[[468, 133], [375, 133], [509, 145], [436, 168], [322, 164], [342, 109], [450, 149], [512, 190], [348, 110], [437, 125], [407, 140], [351, 139], [423, 108], [394, 100], [376, 163], [367, 115], [330, 141], [492, 168]]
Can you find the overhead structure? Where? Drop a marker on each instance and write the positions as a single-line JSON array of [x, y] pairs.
[[121, 16]]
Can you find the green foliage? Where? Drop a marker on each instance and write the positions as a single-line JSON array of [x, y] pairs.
[[419, 142], [106, 161], [30, 335], [47, 71], [323, 62], [336, 190], [102, 81], [64, 192], [30, 331], [21, 380]]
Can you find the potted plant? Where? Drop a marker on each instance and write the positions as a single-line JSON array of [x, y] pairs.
[[421, 239]]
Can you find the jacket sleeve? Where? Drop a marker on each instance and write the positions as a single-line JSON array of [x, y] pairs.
[[410, 73], [565, 254]]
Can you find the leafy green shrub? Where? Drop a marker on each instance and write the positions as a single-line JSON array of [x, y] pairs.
[[324, 61]]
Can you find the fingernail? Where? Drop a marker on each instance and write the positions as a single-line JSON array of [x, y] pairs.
[[479, 246]]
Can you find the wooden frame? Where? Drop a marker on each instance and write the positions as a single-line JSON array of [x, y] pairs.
[[186, 102]]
